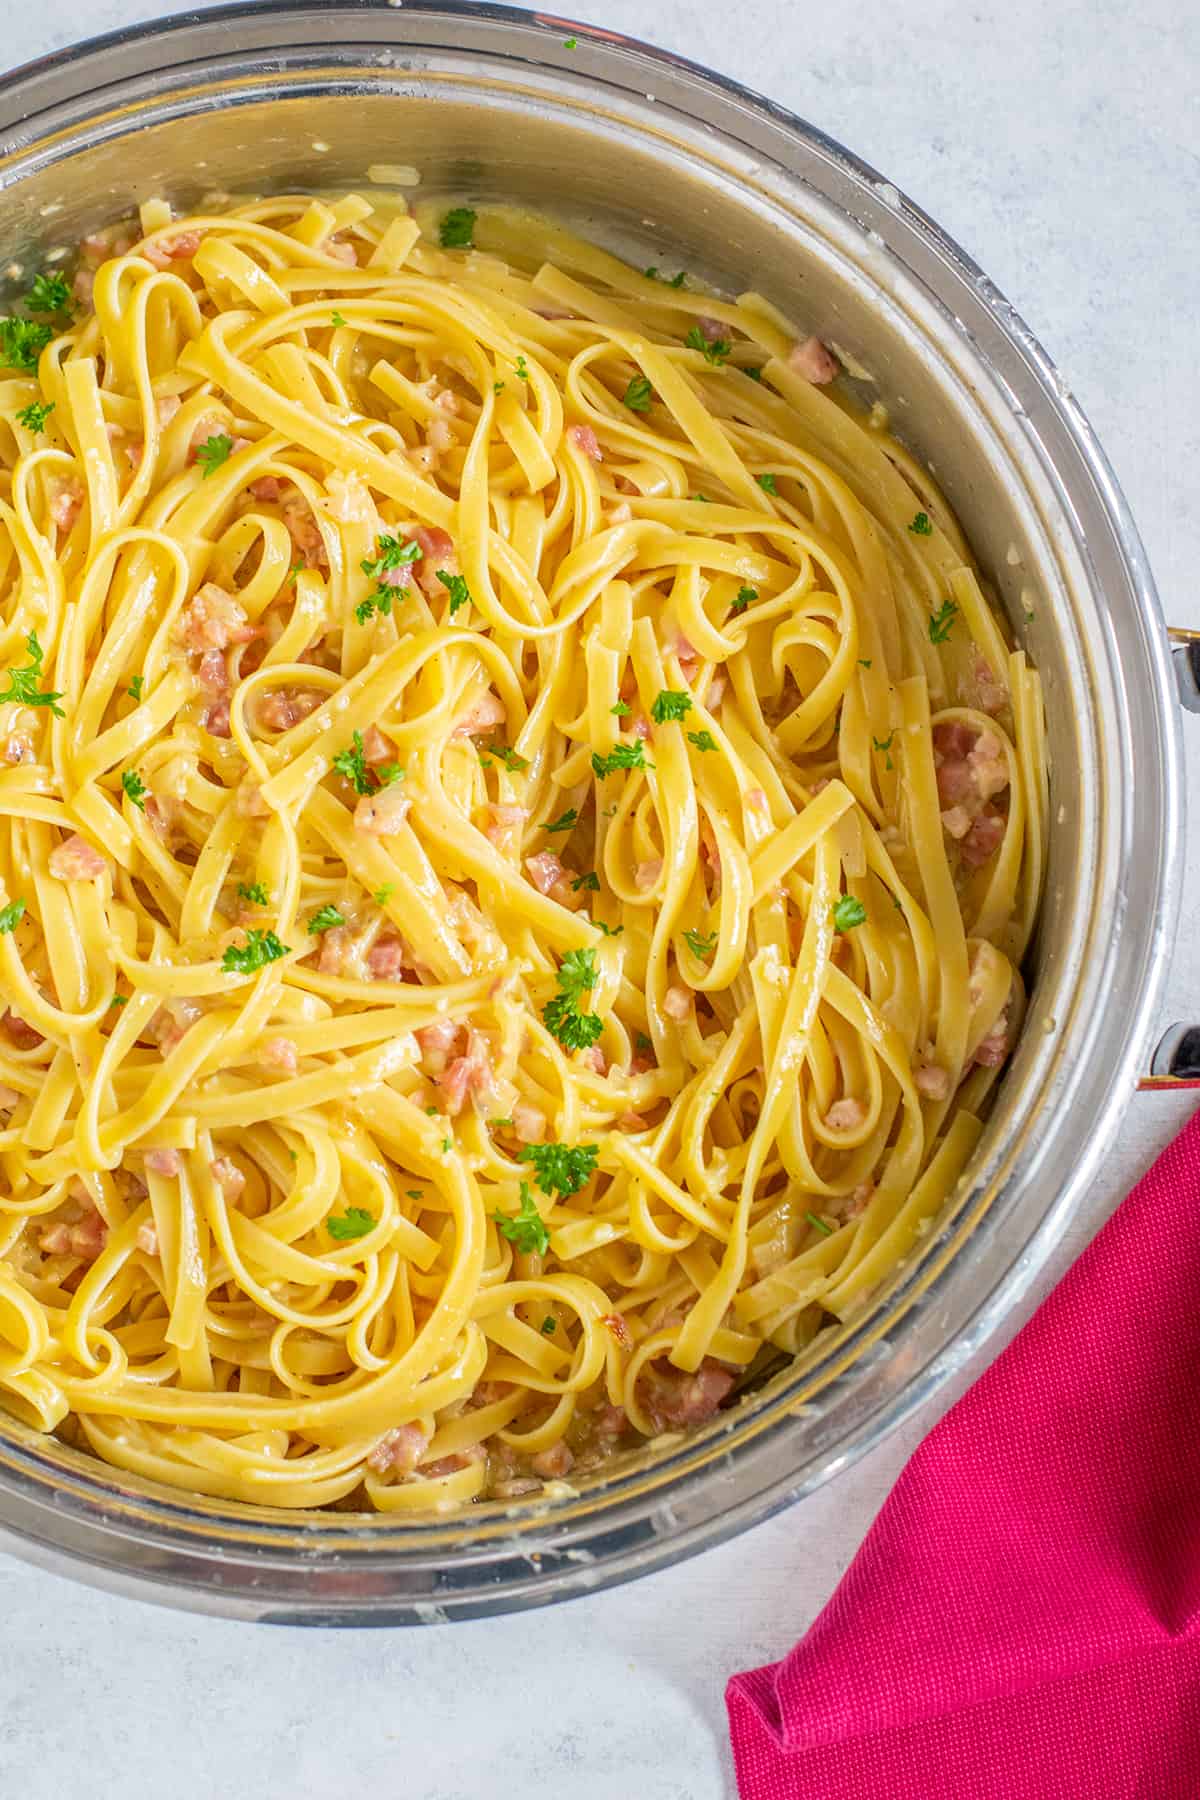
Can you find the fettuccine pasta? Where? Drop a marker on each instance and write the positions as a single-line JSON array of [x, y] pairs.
[[519, 822]]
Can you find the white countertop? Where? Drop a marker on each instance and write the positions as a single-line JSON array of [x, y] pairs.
[[1060, 145]]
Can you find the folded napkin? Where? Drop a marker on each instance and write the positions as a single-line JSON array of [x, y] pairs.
[[1023, 1619]]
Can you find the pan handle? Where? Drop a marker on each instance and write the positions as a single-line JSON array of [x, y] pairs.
[[1176, 1059]]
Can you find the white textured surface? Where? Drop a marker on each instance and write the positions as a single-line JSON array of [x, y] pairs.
[[1060, 145]]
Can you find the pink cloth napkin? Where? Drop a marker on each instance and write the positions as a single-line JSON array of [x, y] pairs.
[[1022, 1619]]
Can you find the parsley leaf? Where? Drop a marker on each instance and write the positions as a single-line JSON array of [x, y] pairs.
[[884, 745], [767, 484], [754, 374], [353, 1223], [561, 1168], [48, 294], [383, 894], [213, 452], [574, 1028], [921, 526], [670, 704], [703, 740], [819, 1224], [522, 371], [324, 919], [565, 821], [848, 913], [589, 882], [699, 944], [527, 1231], [512, 762], [864, 662], [621, 756], [353, 765], [571, 43], [609, 930], [22, 683], [135, 787], [260, 948], [33, 417], [621, 710], [674, 281], [394, 553], [715, 351], [119, 1000], [548, 1326], [134, 690], [337, 319], [10, 916], [379, 602], [638, 394], [456, 587], [457, 229], [744, 596], [941, 621], [255, 893], [22, 342]]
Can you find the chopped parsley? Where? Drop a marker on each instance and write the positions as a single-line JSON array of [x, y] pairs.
[[884, 745], [848, 913], [414, 1193], [609, 930], [394, 553], [48, 294], [352, 764], [512, 762], [767, 484], [819, 1224], [561, 1168], [715, 351], [456, 587], [703, 740], [10, 916], [134, 690], [548, 1326], [383, 894], [638, 395], [921, 525], [571, 43], [213, 452], [589, 882], [22, 683], [621, 756], [522, 371], [670, 704], [674, 281], [447, 1146], [497, 387], [564, 1016], [699, 944], [254, 892], [353, 1223], [641, 1041], [324, 919], [755, 374], [864, 662], [337, 319], [744, 596], [119, 1000], [621, 710], [260, 948], [135, 787], [565, 821], [33, 417], [457, 229], [22, 342], [941, 621], [379, 602], [527, 1231]]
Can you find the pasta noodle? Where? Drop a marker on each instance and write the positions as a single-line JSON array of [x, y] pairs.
[[518, 827]]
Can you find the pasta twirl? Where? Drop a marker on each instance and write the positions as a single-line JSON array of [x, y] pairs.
[[518, 827]]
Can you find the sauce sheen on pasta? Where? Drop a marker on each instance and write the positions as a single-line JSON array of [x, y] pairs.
[[519, 822]]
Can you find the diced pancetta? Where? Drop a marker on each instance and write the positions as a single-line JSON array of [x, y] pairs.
[[676, 1400], [647, 873], [147, 1238], [529, 1123], [162, 252], [584, 440], [20, 1034], [66, 502], [382, 814], [399, 1450], [932, 1081], [483, 713], [845, 1115], [228, 1177], [76, 860], [304, 532], [677, 1002], [811, 359], [554, 1463], [279, 1053], [983, 839], [503, 822], [386, 959], [163, 1162], [545, 870], [285, 707], [18, 748], [213, 620], [994, 1047]]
